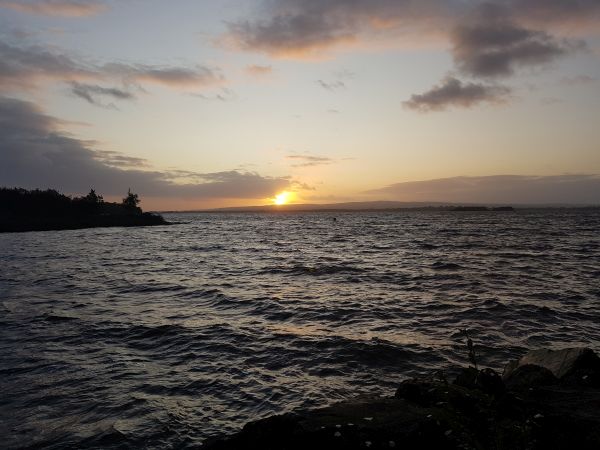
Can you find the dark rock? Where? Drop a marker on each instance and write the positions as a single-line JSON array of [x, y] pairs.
[[421, 391], [570, 365], [486, 380], [477, 411], [528, 376]]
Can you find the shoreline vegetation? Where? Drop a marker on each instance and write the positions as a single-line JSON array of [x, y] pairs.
[[548, 399], [44, 210]]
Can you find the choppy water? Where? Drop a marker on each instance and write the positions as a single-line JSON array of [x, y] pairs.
[[159, 337]]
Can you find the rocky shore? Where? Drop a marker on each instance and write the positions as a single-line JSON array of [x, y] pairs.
[[546, 400]]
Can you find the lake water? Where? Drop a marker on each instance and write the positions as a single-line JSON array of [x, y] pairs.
[[159, 337]]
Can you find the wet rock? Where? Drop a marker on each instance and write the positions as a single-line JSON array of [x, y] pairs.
[[569, 365]]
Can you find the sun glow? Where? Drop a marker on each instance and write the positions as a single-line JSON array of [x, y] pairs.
[[282, 198]]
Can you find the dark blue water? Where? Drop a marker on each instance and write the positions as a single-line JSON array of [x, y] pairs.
[[159, 337]]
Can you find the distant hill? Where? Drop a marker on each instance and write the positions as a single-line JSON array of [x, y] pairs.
[[350, 206], [387, 206], [347, 206]]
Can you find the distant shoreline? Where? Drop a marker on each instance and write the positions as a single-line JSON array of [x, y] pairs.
[[280, 210]]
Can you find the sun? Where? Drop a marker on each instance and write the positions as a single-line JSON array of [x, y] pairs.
[[282, 198]]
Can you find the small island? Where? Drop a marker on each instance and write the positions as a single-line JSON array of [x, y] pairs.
[[44, 210]]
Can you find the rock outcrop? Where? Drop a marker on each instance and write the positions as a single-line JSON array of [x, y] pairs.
[[540, 403]]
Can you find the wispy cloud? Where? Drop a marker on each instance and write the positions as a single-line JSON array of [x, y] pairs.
[[223, 95], [257, 70], [303, 160], [332, 85], [94, 94], [64, 8], [28, 67], [578, 80]]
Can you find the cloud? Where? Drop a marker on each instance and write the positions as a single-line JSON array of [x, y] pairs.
[[285, 35], [223, 95], [174, 77], [116, 159], [305, 160], [578, 80], [91, 93], [305, 28], [493, 38], [301, 28], [64, 8], [25, 67], [507, 189], [571, 13], [490, 44], [256, 70], [35, 153], [332, 85], [453, 92]]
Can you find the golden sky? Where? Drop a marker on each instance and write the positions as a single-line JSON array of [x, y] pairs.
[[198, 104]]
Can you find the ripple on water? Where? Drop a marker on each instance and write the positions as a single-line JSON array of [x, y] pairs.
[[164, 336]]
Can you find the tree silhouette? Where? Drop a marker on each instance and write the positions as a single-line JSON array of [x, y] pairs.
[[131, 201], [92, 197]]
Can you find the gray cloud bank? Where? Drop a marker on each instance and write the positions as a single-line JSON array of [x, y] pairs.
[[34, 153], [500, 189]]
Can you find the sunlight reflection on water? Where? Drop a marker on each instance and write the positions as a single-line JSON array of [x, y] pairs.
[[162, 336]]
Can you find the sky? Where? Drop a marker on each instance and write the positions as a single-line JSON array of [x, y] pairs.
[[201, 104]]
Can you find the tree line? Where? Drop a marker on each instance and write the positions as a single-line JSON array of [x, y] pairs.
[[50, 202]]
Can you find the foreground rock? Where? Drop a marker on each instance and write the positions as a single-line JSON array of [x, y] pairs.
[[545, 409]]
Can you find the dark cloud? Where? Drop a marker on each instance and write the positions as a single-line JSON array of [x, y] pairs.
[[507, 189], [65, 8], [290, 28], [93, 93], [305, 160], [453, 92], [35, 153], [491, 44], [286, 35]]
